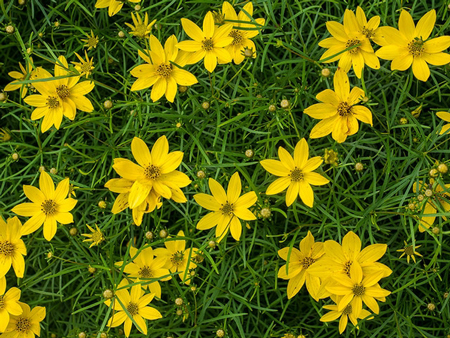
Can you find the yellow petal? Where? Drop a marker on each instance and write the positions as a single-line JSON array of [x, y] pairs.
[[315, 178], [208, 25], [275, 167], [402, 62], [337, 30], [217, 191], [33, 194], [425, 25], [141, 153], [321, 110], [236, 228], [420, 69], [209, 221], [406, 25], [207, 201], [278, 185], [50, 228], [234, 188], [46, 185], [292, 193], [306, 193], [192, 30], [341, 85]]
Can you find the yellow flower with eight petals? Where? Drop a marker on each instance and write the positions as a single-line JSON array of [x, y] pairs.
[[141, 29], [25, 325], [296, 174], [410, 251], [96, 236], [227, 208], [369, 28], [12, 248], [9, 304], [91, 41], [84, 67]]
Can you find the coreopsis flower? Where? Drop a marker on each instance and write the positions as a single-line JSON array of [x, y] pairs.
[[147, 269], [84, 67], [141, 29], [136, 303], [5, 135], [26, 324], [345, 314], [178, 259], [114, 6], [92, 41], [436, 198], [242, 31], [339, 111], [156, 171], [331, 157], [160, 70], [409, 250], [9, 304], [26, 73], [208, 44], [410, 45], [227, 208], [369, 28], [362, 288], [446, 117], [96, 236], [49, 206], [298, 263], [347, 36], [296, 174], [12, 247]]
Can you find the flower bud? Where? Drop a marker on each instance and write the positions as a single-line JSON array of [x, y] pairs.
[[108, 104], [325, 72]]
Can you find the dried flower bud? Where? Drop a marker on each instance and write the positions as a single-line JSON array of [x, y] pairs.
[[149, 235], [249, 153], [201, 174], [265, 212], [178, 301], [108, 104], [102, 204], [431, 306], [326, 72], [284, 104], [41, 168], [137, 8], [108, 294], [21, 3], [205, 105], [272, 108], [53, 171], [103, 335], [420, 198], [359, 167], [220, 333], [428, 192], [10, 29]]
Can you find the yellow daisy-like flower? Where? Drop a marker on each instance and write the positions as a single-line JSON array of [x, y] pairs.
[[141, 29], [136, 303], [347, 36], [209, 43], [5, 136], [9, 304], [27, 73], [241, 37], [12, 248], [114, 6], [345, 314], [437, 197], [49, 206], [156, 171], [410, 45], [410, 251], [298, 263], [96, 236], [25, 325], [446, 117], [296, 174], [178, 258], [360, 288], [369, 28], [160, 72], [227, 208], [147, 269], [338, 110], [84, 67], [91, 41]]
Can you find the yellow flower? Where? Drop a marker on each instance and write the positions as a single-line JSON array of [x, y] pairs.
[[92, 41], [347, 36], [114, 5], [369, 28], [411, 45], [227, 208], [345, 314], [156, 171], [178, 258], [84, 67], [5, 136], [25, 325], [410, 251], [298, 263], [9, 304], [136, 304], [48, 206], [446, 117], [338, 110], [359, 287], [241, 37], [147, 269], [296, 174], [439, 199], [25, 74], [140, 29], [12, 248], [209, 43], [159, 71], [331, 157], [96, 237]]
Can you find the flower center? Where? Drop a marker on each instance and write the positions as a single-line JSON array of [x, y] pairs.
[[296, 175], [238, 37], [140, 30], [177, 258], [351, 43], [97, 236], [358, 290], [7, 248], [63, 91], [307, 261], [415, 47], [92, 41], [367, 32], [347, 266], [227, 208], [152, 172], [164, 70], [48, 207], [409, 250], [23, 325], [133, 309], [208, 44], [347, 310], [85, 67], [344, 109], [52, 102], [145, 272]]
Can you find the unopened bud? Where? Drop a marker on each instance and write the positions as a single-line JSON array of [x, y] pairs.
[[325, 72], [10, 29], [73, 231], [249, 153], [272, 108], [433, 172], [284, 104], [442, 168], [179, 301], [108, 294], [220, 333], [431, 306], [201, 174], [359, 167], [163, 233], [15, 156], [102, 204], [205, 105], [108, 104], [149, 235]]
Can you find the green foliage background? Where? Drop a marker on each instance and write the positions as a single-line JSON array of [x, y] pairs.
[[237, 285]]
